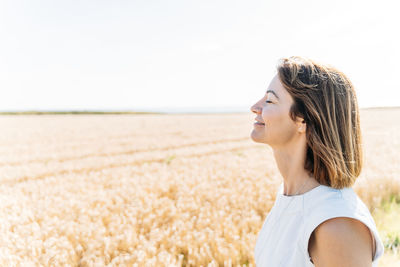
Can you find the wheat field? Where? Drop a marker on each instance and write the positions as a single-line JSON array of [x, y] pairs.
[[157, 190]]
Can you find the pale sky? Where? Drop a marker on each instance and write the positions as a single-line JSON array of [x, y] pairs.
[[131, 55]]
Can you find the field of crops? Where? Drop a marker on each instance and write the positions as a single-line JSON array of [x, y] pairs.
[[157, 190]]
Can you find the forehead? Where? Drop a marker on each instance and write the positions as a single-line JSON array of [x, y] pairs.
[[276, 88]]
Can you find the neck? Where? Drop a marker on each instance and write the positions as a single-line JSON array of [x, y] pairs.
[[291, 166]]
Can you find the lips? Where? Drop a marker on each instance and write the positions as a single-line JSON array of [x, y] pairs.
[[257, 121]]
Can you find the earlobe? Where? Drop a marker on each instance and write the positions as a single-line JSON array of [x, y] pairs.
[[302, 127]]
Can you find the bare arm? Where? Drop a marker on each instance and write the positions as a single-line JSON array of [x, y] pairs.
[[341, 242]]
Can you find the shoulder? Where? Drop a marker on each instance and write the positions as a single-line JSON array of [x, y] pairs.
[[347, 237], [328, 201]]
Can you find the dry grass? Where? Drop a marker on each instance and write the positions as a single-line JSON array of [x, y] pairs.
[[154, 190]]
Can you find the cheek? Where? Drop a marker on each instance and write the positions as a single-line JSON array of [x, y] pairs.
[[271, 115], [278, 119]]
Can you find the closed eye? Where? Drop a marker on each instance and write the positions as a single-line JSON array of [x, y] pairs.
[[268, 101]]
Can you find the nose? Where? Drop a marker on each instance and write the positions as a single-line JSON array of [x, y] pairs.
[[255, 109]]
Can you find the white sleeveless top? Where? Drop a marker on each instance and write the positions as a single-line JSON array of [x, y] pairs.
[[284, 243]]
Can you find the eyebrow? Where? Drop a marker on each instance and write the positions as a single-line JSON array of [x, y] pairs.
[[270, 91]]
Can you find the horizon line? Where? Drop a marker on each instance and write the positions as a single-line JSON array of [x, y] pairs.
[[165, 110]]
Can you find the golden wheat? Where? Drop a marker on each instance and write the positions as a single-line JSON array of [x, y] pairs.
[[152, 190]]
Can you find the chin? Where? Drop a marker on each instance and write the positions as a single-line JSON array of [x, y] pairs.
[[256, 139]]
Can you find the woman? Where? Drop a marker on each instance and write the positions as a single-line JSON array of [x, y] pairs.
[[309, 116]]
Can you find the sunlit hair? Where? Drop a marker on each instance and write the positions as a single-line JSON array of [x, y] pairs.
[[325, 98]]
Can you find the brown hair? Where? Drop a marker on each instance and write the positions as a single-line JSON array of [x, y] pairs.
[[325, 98]]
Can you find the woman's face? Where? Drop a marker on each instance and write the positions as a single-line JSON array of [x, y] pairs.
[[273, 110]]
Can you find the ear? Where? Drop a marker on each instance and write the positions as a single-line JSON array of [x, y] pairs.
[[301, 125]]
